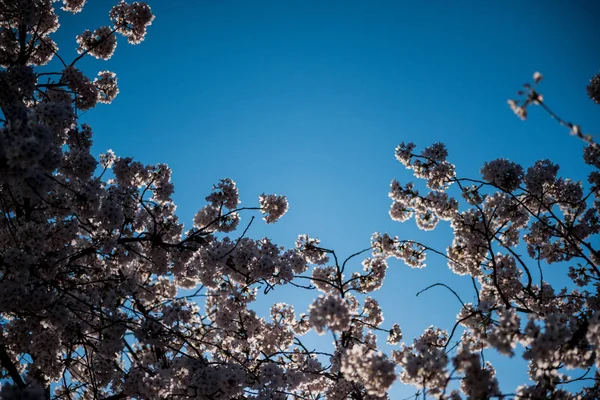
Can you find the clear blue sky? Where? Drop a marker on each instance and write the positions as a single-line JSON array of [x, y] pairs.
[[310, 98]]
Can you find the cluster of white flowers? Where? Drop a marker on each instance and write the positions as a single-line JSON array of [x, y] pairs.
[[86, 93], [73, 6], [503, 174], [324, 278], [478, 382], [225, 194], [427, 210], [395, 334], [555, 219], [273, 206], [375, 269], [372, 314], [309, 247], [28, 24], [371, 369], [107, 86], [329, 312], [132, 20], [540, 176], [100, 44], [425, 363], [430, 165], [212, 216], [412, 253]]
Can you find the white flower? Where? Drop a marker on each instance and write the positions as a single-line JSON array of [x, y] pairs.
[[273, 206]]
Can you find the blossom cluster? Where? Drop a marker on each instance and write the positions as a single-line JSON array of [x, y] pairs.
[[273, 206], [371, 369], [101, 43], [555, 219], [329, 312]]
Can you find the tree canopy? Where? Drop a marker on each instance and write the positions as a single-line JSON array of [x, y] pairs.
[[93, 261]]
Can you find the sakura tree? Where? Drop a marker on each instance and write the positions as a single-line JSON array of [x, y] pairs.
[[105, 295]]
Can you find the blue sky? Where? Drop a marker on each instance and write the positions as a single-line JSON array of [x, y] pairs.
[[310, 98]]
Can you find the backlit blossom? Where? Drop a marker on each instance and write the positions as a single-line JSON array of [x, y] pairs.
[[273, 206], [329, 312]]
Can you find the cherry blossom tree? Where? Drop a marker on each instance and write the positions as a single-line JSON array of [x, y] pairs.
[[93, 260]]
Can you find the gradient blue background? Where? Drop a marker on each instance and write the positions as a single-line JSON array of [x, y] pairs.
[[310, 98]]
